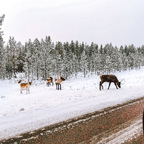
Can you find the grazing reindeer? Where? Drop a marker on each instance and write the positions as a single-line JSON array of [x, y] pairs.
[[49, 81], [109, 78], [58, 82], [25, 86]]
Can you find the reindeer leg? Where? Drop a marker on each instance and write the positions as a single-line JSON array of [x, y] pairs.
[[27, 90], [60, 86], [109, 85], [116, 85], [57, 86], [100, 85]]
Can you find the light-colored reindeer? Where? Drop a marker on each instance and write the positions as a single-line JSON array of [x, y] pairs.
[[49, 80], [58, 82], [25, 86]]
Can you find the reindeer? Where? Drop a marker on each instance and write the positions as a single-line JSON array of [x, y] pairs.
[[49, 81], [109, 78], [58, 82], [25, 86]]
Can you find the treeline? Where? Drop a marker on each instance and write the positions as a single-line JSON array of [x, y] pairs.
[[41, 58]]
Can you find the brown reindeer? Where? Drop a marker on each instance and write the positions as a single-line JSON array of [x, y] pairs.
[[25, 86], [58, 82], [109, 78], [49, 81]]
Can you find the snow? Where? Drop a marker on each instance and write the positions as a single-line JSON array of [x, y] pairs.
[[45, 106]]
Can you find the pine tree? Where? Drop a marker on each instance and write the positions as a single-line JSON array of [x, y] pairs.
[[84, 63], [12, 57], [47, 61], [2, 53], [29, 59], [37, 61]]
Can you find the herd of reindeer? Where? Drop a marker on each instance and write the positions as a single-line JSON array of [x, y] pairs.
[[49, 81]]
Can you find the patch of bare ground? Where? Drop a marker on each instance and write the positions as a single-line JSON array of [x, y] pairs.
[[129, 132], [138, 140]]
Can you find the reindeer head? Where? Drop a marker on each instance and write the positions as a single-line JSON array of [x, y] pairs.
[[119, 84], [30, 83], [19, 81], [62, 78]]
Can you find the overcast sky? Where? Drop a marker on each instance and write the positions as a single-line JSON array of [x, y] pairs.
[[120, 22]]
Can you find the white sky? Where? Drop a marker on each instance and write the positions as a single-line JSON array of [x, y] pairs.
[[120, 22]]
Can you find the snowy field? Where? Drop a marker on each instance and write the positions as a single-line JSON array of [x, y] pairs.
[[45, 106]]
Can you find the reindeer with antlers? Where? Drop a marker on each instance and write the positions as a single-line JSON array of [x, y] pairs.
[[58, 82], [110, 79]]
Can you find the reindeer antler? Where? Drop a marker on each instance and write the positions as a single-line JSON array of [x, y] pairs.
[[122, 81]]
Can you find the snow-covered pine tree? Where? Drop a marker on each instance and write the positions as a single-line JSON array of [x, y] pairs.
[[36, 56], [2, 60], [21, 57], [47, 61], [29, 60], [84, 63], [66, 60], [12, 57]]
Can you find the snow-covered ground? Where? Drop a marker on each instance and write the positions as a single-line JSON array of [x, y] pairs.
[[45, 106]]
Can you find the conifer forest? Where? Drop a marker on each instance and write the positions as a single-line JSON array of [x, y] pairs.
[[41, 58]]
